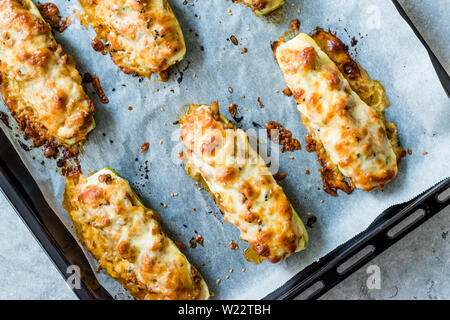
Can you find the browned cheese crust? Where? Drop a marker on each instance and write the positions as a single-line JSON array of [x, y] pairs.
[[142, 36], [219, 155], [39, 82], [127, 239], [369, 91]]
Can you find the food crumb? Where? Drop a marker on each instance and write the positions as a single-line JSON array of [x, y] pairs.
[[261, 105], [280, 176], [233, 245], [97, 45], [194, 240], [306, 171], [244, 50], [287, 92], [212, 294], [231, 270], [218, 281], [130, 108], [409, 151], [199, 240], [227, 277], [279, 134], [50, 13], [425, 153], [164, 76], [97, 87], [243, 269], [234, 40], [144, 147], [194, 209], [232, 109], [291, 157], [294, 25], [311, 220]]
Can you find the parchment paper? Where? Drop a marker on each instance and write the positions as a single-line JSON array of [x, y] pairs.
[[387, 48]]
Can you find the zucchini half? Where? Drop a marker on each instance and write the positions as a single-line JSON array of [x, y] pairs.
[[127, 239]]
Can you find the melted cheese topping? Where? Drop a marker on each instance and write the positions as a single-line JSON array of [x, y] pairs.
[[39, 82], [143, 36], [241, 184], [128, 241], [352, 133], [262, 7]]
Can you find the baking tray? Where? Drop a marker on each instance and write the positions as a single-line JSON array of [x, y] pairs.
[[25, 196]]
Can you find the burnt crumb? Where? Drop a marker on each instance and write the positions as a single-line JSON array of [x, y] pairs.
[[99, 90], [50, 13], [97, 45], [261, 105], [256, 124], [287, 92], [71, 171], [144, 147], [353, 42], [164, 76], [50, 150], [280, 176], [312, 219], [181, 73], [61, 163], [234, 40], [87, 78], [282, 136], [294, 25], [23, 146], [4, 119], [232, 109], [351, 69]]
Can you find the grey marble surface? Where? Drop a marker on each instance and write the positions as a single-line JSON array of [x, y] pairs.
[[418, 267]]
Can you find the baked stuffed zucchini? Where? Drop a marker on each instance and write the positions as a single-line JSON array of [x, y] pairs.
[[127, 239], [262, 7], [220, 156], [142, 36], [39, 82], [343, 110]]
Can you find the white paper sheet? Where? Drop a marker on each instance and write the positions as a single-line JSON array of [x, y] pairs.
[[387, 49]]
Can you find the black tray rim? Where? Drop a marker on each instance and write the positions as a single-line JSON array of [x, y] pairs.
[[22, 192]]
